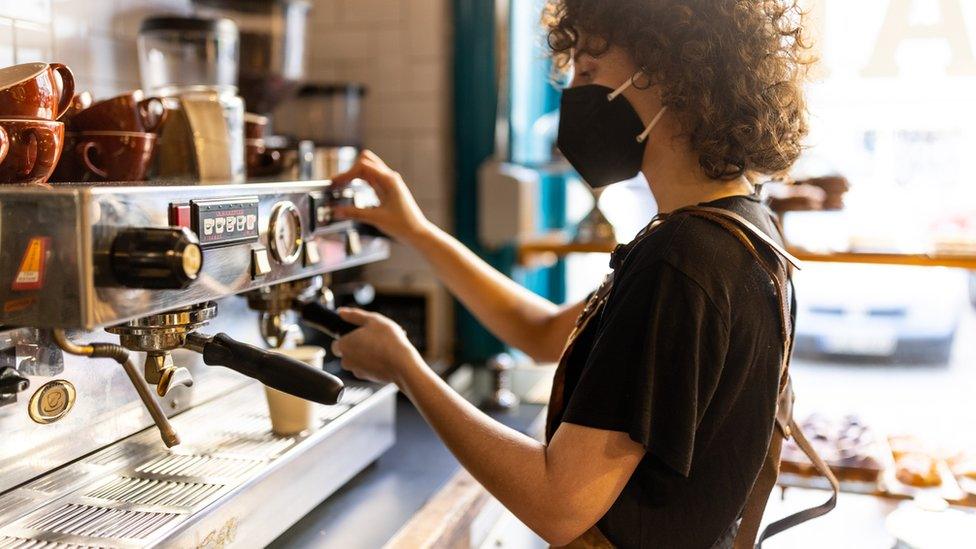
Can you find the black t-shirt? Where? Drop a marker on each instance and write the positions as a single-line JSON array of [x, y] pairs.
[[685, 358]]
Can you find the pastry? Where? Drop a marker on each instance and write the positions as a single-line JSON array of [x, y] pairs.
[[918, 470]]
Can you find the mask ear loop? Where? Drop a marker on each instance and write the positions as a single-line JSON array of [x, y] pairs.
[[623, 87], [643, 137]]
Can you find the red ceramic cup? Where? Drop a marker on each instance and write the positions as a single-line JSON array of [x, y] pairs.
[[254, 125], [129, 112], [34, 149], [4, 144], [113, 156], [32, 90]]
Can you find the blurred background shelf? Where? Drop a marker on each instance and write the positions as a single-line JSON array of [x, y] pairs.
[[545, 249]]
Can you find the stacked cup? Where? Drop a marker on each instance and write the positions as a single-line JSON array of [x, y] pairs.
[[33, 96], [113, 139]]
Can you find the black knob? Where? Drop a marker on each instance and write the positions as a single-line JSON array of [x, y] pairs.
[[156, 258], [273, 369], [11, 382]]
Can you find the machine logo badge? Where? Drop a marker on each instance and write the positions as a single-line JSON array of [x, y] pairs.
[[52, 402], [30, 274]]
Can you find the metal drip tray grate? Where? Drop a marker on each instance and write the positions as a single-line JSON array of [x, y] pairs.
[[21, 543], [12, 502], [138, 494], [144, 491], [100, 522], [175, 465]]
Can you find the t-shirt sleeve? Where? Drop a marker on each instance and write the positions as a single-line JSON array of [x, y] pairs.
[[655, 363]]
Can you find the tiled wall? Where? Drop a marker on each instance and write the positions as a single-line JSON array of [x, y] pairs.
[[96, 38], [401, 49]]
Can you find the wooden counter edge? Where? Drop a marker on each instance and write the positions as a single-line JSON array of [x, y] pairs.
[[446, 520]]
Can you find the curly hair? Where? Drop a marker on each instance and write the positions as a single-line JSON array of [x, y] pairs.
[[733, 70]]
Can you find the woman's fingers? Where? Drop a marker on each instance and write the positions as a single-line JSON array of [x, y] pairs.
[[358, 317], [366, 171], [373, 172], [366, 215]]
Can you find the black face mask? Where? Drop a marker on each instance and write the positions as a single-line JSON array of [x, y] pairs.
[[601, 135]]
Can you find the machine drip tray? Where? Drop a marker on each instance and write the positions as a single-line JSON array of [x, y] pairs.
[[231, 482]]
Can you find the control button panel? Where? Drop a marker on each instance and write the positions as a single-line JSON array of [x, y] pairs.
[[224, 222], [322, 202]]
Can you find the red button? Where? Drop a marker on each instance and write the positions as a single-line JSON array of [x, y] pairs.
[[179, 215]]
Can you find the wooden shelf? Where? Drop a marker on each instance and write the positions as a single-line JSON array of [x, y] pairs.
[[547, 248], [913, 260]]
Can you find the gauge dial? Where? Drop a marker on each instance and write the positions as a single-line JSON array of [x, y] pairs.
[[285, 233]]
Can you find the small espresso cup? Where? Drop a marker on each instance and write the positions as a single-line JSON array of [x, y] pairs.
[[34, 147], [109, 156], [80, 102], [33, 91], [291, 415], [262, 161], [129, 112], [4, 144], [254, 125]]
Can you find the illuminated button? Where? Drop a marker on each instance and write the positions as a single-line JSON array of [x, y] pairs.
[[260, 262], [219, 225], [208, 226], [252, 221]]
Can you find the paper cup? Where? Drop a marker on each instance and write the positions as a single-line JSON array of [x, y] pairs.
[[291, 415]]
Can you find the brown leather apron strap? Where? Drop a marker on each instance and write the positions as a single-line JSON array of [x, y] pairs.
[[784, 428], [754, 231], [814, 512]]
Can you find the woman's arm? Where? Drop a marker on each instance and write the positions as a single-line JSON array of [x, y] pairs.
[[559, 490], [514, 314]]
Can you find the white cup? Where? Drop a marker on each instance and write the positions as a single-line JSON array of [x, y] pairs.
[[291, 415]]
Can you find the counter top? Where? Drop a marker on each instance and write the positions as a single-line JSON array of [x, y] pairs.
[[377, 503]]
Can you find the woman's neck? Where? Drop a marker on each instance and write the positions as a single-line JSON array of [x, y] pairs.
[[677, 180]]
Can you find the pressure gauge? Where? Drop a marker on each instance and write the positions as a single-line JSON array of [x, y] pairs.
[[285, 233]]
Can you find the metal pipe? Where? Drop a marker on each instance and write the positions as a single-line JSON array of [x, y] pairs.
[[70, 347], [121, 355], [166, 431]]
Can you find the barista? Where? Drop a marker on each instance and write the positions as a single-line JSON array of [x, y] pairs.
[[664, 407]]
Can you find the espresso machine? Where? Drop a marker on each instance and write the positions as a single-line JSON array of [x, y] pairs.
[[135, 327]]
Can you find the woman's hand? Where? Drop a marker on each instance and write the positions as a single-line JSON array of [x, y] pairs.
[[378, 350], [398, 214]]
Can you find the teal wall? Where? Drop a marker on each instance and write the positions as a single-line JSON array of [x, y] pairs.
[[475, 109]]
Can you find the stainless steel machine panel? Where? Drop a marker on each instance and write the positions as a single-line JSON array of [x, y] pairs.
[[56, 256], [231, 484]]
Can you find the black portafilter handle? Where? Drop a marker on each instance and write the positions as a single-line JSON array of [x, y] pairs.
[[325, 320], [273, 369]]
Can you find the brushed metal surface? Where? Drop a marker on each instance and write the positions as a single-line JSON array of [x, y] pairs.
[[107, 407], [211, 491], [80, 223]]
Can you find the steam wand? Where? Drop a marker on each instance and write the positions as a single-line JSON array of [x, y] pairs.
[[121, 355]]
